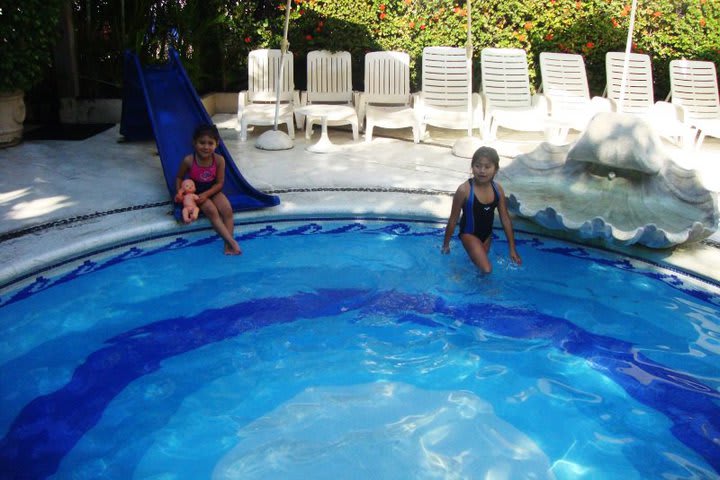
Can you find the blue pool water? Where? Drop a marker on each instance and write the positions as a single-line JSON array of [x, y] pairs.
[[354, 349]]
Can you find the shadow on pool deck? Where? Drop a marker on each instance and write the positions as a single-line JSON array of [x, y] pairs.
[[60, 198]]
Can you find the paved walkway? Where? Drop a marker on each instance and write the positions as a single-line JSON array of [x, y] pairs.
[[60, 198]]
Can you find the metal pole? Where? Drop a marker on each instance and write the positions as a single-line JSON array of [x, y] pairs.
[[469, 53], [283, 50], [626, 62]]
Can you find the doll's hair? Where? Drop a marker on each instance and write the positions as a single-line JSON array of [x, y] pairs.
[[206, 129], [488, 153]]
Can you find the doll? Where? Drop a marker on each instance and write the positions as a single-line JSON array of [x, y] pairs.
[[186, 195]]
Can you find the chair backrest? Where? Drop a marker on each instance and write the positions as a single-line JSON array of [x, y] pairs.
[[387, 78], [445, 77], [638, 96], [263, 69], [564, 79], [505, 78], [694, 85], [329, 77]]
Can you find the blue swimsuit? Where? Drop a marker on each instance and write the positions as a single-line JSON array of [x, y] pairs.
[[477, 218]]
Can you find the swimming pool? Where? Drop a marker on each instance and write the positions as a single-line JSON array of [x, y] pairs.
[[348, 348]]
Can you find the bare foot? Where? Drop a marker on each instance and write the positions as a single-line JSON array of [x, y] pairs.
[[233, 249]]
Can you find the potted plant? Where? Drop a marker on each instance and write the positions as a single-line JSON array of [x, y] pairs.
[[28, 31]]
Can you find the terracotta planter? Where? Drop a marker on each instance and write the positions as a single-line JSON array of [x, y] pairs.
[[12, 116]]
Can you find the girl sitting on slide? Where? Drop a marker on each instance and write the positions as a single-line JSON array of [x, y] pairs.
[[207, 169]]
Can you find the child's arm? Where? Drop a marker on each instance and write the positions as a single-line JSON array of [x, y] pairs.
[[507, 225], [458, 200], [219, 180]]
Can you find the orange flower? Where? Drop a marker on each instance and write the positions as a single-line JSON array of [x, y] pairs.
[[578, 4], [615, 23], [590, 45], [298, 2], [422, 27], [308, 37], [528, 25], [382, 7], [411, 24], [549, 37], [248, 39], [657, 14], [703, 22], [382, 16]]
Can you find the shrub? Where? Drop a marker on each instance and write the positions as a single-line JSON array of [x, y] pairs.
[[28, 31], [215, 36]]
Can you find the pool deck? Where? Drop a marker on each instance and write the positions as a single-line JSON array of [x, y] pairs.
[[61, 198]]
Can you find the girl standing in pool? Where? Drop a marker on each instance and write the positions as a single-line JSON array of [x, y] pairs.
[[477, 200], [207, 169]]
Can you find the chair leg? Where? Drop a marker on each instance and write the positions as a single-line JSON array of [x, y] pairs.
[[291, 127], [368, 131], [308, 127], [300, 121], [354, 125], [491, 130], [243, 129]]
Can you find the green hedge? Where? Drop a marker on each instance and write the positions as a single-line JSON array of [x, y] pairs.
[[215, 36]]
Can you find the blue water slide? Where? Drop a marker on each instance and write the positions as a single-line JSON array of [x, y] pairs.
[[160, 101]]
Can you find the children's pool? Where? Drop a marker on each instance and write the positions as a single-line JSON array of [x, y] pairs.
[[354, 349]]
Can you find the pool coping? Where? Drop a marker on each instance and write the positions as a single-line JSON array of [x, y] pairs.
[[86, 235]]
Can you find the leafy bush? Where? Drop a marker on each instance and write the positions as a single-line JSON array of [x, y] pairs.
[[215, 36], [28, 31]]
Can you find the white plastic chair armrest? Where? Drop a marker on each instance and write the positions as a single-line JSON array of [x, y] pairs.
[[418, 106], [540, 102], [418, 100], [613, 104], [667, 110], [599, 104], [242, 101], [477, 106], [361, 102]]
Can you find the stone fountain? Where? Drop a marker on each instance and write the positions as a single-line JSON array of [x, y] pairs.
[[617, 182]]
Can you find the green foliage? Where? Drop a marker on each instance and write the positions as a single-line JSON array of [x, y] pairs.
[[28, 31], [214, 37]]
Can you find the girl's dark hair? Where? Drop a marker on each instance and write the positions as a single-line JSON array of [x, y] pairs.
[[206, 129], [488, 153]]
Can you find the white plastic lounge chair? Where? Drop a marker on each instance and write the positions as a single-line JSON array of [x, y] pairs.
[[639, 99], [444, 96], [386, 101], [565, 85], [506, 93], [256, 105], [329, 82], [694, 88]]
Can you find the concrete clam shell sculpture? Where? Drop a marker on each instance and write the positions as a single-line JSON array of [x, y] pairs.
[[616, 183]]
